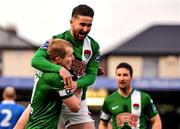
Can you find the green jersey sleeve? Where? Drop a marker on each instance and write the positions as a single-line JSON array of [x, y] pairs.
[[40, 61], [90, 77], [55, 83], [105, 113]]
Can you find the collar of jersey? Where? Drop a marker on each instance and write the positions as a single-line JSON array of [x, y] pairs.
[[8, 102]]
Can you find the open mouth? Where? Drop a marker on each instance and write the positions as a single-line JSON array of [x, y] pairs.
[[81, 36]]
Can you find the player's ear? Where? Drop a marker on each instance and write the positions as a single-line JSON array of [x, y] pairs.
[[58, 60], [71, 22]]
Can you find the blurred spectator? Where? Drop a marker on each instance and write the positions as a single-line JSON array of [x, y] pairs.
[[10, 111]]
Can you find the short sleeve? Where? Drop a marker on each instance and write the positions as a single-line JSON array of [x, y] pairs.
[[150, 107], [105, 113]]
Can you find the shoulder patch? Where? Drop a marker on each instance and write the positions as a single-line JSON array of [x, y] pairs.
[[97, 58], [45, 45]]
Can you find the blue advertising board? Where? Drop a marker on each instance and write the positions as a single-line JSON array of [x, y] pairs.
[[103, 82]]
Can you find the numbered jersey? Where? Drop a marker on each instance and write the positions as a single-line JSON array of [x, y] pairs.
[[9, 114]]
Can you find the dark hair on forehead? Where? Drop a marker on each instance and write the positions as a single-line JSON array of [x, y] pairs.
[[83, 10], [127, 66]]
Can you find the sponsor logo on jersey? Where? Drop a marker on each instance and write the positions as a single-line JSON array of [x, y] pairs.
[[87, 53], [115, 107], [136, 106], [78, 68], [128, 118]]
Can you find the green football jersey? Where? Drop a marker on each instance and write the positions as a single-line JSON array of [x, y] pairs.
[[128, 112], [46, 101], [84, 67]]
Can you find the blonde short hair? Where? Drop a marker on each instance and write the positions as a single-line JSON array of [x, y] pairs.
[[57, 48]]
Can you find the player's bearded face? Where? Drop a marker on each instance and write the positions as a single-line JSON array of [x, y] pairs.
[[123, 78], [81, 26]]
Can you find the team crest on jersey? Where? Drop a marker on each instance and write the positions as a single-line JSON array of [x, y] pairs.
[[136, 106], [87, 53]]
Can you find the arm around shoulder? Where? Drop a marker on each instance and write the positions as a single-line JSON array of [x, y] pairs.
[[40, 61]]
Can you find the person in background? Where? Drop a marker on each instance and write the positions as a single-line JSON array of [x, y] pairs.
[[84, 66], [10, 111], [128, 108]]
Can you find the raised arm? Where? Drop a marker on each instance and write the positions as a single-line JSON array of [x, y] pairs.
[[40, 61]]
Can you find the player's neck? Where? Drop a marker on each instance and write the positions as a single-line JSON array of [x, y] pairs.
[[125, 92], [72, 33], [8, 101]]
